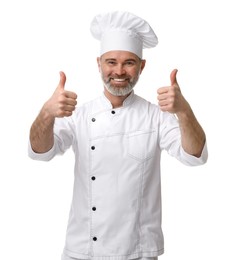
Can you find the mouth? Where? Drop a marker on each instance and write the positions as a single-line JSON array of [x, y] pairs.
[[118, 80]]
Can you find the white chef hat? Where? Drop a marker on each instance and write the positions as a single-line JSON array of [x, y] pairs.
[[125, 31]]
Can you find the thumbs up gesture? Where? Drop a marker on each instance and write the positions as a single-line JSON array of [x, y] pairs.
[[62, 103], [170, 98]]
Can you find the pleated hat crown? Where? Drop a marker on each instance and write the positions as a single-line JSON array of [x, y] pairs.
[[122, 31]]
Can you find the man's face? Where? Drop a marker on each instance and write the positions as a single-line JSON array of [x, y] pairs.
[[120, 71]]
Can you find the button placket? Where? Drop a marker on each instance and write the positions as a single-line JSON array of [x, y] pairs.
[[93, 119], [93, 209], [93, 178]]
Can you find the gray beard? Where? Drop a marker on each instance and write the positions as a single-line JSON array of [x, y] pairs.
[[120, 92]]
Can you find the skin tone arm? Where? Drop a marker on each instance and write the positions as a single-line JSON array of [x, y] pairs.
[[62, 103], [170, 99]]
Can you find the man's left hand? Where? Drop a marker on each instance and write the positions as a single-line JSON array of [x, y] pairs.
[[170, 98]]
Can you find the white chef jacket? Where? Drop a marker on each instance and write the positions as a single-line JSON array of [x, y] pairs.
[[116, 206]]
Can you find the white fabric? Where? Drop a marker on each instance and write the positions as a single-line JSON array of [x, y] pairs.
[[122, 31], [65, 257], [121, 150]]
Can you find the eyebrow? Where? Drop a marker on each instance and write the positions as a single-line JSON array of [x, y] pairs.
[[113, 59]]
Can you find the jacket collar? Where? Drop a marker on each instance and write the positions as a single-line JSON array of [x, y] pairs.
[[127, 102]]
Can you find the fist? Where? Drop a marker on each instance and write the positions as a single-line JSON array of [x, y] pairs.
[[62, 103], [170, 98]]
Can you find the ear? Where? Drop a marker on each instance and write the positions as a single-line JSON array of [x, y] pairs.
[[98, 62], [143, 62]]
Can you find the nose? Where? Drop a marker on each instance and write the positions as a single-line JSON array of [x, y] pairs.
[[119, 69]]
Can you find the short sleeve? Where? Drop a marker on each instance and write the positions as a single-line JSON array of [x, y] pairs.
[[63, 138], [170, 140]]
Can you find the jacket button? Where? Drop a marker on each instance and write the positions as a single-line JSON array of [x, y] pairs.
[[95, 238], [93, 178], [93, 119], [113, 112], [92, 147], [94, 208]]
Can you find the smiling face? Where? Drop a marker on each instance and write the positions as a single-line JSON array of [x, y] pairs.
[[120, 71]]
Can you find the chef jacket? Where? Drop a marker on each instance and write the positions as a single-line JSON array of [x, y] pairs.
[[116, 205]]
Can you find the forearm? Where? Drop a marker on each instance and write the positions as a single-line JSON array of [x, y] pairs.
[[41, 132], [192, 134]]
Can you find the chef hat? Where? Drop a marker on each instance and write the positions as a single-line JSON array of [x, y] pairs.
[[122, 31]]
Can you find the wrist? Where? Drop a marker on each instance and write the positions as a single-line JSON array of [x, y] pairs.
[[185, 114], [46, 114]]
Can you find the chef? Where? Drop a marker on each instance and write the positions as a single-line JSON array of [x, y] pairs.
[[117, 140]]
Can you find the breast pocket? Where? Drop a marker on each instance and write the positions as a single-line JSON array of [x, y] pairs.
[[142, 144]]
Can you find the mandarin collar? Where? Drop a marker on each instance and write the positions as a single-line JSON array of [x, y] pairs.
[[127, 102]]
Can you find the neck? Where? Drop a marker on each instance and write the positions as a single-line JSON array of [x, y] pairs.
[[116, 101]]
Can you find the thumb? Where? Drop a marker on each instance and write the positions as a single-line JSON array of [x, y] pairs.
[[173, 77], [62, 81]]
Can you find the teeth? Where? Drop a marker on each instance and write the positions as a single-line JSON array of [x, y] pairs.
[[119, 80]]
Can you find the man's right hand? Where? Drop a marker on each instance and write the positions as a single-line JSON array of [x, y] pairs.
[[62, 103]]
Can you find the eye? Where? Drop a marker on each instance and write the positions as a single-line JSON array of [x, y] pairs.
[[130, 63], [111, 62]]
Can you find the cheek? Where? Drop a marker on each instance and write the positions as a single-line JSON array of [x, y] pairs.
[[136, 72], [107, 72]]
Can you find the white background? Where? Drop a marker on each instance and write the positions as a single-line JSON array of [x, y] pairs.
[[40, 38]]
